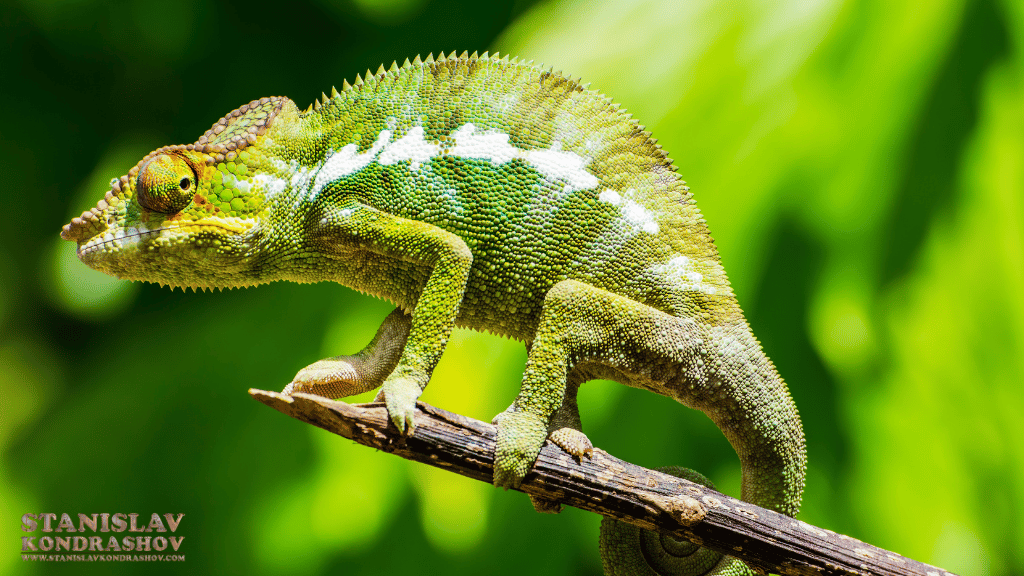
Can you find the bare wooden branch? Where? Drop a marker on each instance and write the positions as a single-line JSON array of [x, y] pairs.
[[765, 540]]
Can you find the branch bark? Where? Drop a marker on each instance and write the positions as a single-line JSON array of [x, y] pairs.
[[765, 540]]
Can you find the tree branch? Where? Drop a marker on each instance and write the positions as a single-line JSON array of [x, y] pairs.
[[765, 540]]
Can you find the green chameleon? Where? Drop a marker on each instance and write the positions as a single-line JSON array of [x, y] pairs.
[[482, 192]]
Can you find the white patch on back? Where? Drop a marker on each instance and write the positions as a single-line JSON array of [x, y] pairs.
[[299, 182], [492, 146], [610, 196], [348, 161], [412, 147], [555, 163], [680, 271], [636, 214], [641, 217]]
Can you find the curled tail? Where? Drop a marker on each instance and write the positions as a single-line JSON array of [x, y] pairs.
[[754, 410], [630, 551]]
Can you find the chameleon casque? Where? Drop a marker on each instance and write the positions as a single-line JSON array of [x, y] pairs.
[[482, 192]]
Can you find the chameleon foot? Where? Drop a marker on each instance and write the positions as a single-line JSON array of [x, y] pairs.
[[520, 438], [400, 393], [573, 441], [331, 377], [577, 445]]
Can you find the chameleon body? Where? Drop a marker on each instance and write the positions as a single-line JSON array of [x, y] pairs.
[[480, 192]]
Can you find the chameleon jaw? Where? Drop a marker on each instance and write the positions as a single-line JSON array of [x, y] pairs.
[[132, 235], [197, 254]]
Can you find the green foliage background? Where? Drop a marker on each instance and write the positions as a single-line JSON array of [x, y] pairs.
[[861, 166]]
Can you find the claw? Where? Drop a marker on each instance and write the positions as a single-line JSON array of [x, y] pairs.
[[402, 419], [399, 395]]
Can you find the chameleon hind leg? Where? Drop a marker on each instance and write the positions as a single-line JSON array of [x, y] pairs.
[[580, 324], [343, 376], [566, 428], [719, 369]]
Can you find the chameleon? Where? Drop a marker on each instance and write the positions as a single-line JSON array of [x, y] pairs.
[[485, 192]]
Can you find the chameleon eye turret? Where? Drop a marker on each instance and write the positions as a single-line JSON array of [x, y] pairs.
[[166, 184]]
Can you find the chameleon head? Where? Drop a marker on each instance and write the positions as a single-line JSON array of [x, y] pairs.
[[186, 215]]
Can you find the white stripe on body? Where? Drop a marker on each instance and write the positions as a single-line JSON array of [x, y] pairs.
[[554, 164]]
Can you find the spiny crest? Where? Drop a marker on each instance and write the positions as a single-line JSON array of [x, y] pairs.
[[373, 80], [196, 289], [554, 78], [395, 70]]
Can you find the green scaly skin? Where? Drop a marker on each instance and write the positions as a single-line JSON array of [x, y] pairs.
[[479, 192]]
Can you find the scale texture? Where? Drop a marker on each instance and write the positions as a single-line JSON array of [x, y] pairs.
[[481, 192]]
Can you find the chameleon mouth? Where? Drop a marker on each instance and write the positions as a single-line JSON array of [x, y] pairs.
[[131, 236], [119, 239]]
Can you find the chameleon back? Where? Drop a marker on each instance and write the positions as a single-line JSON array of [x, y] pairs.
[[543, 179]]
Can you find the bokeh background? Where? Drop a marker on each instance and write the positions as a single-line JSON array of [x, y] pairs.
[[860, 164]]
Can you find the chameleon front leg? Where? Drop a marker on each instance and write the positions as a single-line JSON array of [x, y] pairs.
[[354, 228], [343, 376]]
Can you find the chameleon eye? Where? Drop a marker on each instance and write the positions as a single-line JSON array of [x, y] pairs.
[[165, 184]]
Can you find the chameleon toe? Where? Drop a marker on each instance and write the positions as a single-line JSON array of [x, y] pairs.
[[573, 441]]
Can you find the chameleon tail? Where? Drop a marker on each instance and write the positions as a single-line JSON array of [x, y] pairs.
[[761, 422], [630, 551]]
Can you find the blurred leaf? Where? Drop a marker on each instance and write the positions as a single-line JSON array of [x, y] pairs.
[[30, 379], [166, 29], [81, 291], [453, 509], [948, 413]]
